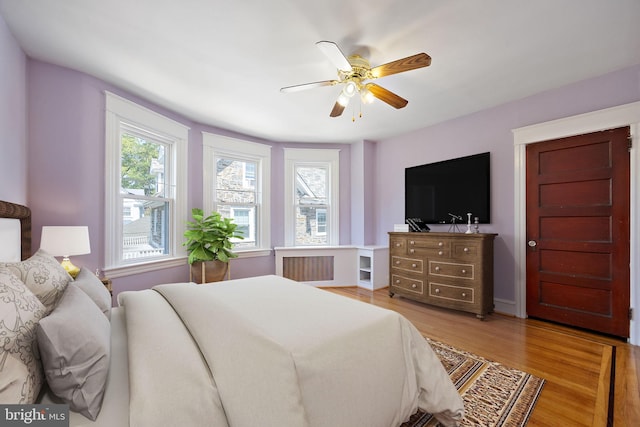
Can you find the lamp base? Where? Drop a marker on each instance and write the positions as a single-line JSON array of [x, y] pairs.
[[69, 267]]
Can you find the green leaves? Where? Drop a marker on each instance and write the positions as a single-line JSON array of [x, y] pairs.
[[208, 238]]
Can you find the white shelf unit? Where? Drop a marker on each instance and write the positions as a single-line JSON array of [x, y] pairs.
[[373, 267]]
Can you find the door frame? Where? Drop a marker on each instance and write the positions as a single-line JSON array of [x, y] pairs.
[[623, 115]]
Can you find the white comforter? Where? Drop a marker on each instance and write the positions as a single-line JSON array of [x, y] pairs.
[[268, 351]]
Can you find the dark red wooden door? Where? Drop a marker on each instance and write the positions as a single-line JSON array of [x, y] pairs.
[[578, 231]]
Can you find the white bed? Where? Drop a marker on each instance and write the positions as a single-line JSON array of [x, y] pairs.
[[263, 351]]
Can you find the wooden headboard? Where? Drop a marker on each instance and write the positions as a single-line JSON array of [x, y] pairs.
[[23, 213]]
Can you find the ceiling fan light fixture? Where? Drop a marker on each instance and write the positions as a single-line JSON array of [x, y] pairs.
[[366, 96], [354, 71], [350, 89], [343, 99]]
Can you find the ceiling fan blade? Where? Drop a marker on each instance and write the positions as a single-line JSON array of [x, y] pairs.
[[305, 86], [387, 96], [401, 65], [337, 110], [335, 55]]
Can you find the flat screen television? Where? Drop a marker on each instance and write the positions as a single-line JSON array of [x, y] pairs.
[[435, 191]]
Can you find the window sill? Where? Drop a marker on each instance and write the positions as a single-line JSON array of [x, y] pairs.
[[127, 270], [250, 253]]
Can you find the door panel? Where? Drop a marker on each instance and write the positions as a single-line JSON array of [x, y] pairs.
[[578, 231]]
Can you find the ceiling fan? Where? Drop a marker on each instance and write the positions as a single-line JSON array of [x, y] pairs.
[[354, 71]]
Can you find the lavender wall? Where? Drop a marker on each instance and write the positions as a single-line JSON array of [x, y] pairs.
[[66, 160], [66, 178], [490, 130], [13, 119]]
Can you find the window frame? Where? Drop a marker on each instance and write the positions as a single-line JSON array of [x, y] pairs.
[[123, 114], [329, 158], [213, 146]]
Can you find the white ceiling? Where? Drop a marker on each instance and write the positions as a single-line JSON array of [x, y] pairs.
[[222, 63]]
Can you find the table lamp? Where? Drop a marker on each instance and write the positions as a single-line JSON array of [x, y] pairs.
[[66, 241]]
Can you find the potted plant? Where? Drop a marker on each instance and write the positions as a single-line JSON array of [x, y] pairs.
[[209, 245]]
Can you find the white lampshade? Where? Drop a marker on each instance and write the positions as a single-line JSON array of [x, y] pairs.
[[65, 241], [350, 89]]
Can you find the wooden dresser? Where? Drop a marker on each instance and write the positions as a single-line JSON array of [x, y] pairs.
[[452, 270]]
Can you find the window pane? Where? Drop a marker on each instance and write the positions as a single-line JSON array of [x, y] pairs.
[[311, 185], [237, 198], [241, 219], [246, 219], [235, 181], [321, 221], [142, 166], [307, 230], [145, 228]]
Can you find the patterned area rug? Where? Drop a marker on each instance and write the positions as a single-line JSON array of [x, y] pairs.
[[493, 394]]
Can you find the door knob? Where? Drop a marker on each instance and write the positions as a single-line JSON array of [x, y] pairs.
[[532, 243]]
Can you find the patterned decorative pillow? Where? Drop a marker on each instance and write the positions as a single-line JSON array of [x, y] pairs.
[[21, 373], [43, 275]]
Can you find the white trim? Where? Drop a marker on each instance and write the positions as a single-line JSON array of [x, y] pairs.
[[326, 157], [143, 267], [120, 111], [219, 145], [142, 116], [624, 115]]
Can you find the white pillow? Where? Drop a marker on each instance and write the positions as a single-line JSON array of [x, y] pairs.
[[95, 289], [75, 346]]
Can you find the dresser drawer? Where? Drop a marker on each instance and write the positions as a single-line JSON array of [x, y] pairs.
[[398, 246], [451, 269], [449, 292], [407, 264], [438, 248], [466, 250], [408, 284]]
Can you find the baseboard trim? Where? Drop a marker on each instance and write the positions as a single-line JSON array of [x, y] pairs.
[[504, 306]]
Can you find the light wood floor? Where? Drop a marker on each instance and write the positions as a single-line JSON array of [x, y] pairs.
[[576, 365]]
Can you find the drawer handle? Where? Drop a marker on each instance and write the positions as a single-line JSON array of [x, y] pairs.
[[397, 262], [414, 286], [398, 245], [397, 281], [464, 271], [414, 265], [441, 244], [464, 295], [437, 268], [440, 253], [411, 251], [412, 242], [466, 249], [437, 291]]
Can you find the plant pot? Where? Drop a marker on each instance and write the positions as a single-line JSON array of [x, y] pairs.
[[208, 271]]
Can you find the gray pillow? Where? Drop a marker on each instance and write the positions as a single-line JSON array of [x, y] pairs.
[[43, 275], [92, 286], [74, 342], [20, 371]]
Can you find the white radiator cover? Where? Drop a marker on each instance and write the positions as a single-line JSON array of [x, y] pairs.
[[346, 264]]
